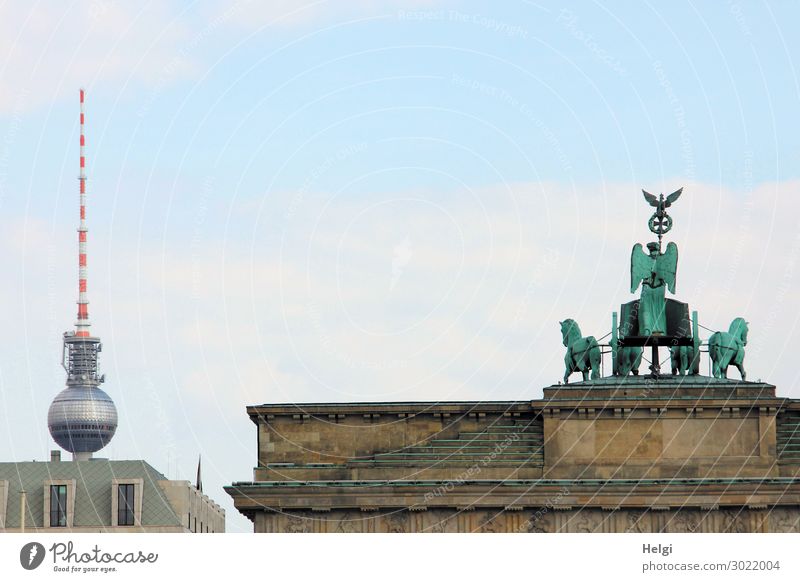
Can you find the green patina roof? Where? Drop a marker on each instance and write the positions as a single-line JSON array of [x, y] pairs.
[[93, 493]]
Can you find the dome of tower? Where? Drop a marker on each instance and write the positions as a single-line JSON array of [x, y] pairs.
[[82, 419]]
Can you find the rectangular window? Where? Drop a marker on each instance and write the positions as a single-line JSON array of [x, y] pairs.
[[125, 504], [58, 506]]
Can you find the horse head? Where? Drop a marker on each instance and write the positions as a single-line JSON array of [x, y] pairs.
[[739, 329], [569, 331]]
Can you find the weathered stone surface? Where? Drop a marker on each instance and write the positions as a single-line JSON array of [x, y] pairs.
[[681, 454], [498, 520]]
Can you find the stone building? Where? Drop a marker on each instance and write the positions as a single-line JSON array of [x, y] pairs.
[[99, 495], [677, 454]]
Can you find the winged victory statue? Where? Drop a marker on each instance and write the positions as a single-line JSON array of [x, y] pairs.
[[654, 270]]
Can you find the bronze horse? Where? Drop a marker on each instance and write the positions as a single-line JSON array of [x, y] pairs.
[[583, 353], [683, 359], [628, 361], [726, 348]]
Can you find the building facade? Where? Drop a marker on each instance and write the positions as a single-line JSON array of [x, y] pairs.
[[618, 454], [99, 495]]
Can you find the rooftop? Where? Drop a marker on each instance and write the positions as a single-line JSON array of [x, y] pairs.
[[93, 494]]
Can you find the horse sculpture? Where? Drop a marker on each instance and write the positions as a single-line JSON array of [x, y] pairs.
[[683, 359], [726, 348], [583, 353], [628, 361]]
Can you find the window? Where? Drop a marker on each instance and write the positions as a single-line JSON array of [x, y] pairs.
[[58, 506], [125, 504]]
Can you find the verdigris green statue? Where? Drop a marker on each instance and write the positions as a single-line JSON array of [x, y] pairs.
[[656, 272], [629, 359], [726, 348], [682, 358], [583, 353]]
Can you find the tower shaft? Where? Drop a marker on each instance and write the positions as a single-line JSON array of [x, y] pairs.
[[82, 324]]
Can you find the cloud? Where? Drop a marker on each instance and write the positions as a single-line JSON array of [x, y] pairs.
[[48, 51], [51, 49], [291, 14]]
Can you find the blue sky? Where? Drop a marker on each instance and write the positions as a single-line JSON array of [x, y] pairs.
[[377, 200], [679, 90]]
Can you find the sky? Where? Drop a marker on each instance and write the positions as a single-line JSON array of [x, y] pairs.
[[378, 200]]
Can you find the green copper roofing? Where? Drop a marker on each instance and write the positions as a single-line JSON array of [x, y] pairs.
[[93, 494]]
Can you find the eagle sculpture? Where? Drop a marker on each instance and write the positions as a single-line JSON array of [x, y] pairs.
[[660, 203]]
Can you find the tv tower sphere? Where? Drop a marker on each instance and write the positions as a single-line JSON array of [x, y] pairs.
[[82, 418]]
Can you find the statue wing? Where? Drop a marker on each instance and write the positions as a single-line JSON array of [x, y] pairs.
[[674, 196], [641, 266], [667, 266], [652, 200]]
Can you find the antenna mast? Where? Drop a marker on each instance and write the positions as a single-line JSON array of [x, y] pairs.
[[82, 324]]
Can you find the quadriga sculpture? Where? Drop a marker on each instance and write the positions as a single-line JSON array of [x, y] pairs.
[[583, 353]]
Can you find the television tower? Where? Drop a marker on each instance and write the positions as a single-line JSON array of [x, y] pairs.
[[82, 418]]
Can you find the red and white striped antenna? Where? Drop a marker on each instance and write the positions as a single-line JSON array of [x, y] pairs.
[[82, 324]]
